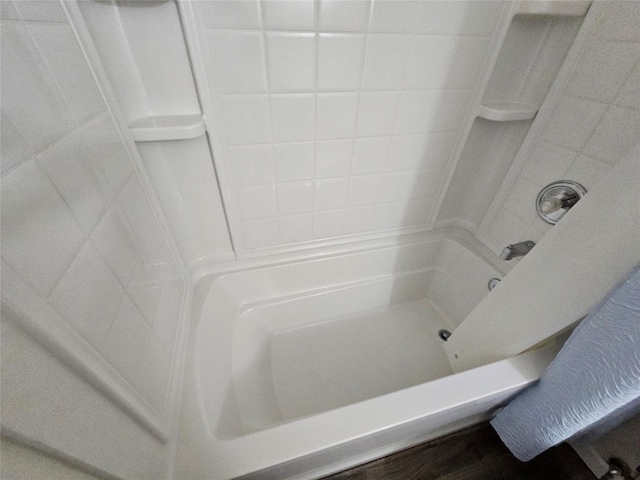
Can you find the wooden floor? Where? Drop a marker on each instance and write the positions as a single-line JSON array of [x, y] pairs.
[[472, 454]]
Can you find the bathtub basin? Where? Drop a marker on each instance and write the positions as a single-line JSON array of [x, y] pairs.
[[308, 366]]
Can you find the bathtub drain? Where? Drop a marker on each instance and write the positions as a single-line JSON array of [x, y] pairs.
[[444, 334]]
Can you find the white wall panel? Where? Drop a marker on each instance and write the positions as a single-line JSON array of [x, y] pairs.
[[352, 89], [87, 269]]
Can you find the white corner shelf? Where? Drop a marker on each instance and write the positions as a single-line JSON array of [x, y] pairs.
[[166, 128], [559, 8], [507, 112]]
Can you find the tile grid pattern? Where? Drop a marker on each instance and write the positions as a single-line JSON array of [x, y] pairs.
[[596, 121], [76, 224], [339, 116]]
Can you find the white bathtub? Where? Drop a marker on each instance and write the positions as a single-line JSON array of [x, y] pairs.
[[303, 368]]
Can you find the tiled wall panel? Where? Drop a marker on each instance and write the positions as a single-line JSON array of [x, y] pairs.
[[76, 223], [596, 121], [337, 117]]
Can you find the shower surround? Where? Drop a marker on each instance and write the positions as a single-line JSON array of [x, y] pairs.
[[159, 153]]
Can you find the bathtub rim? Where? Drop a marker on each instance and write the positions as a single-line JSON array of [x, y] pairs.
[[284, 450], [512, 375]]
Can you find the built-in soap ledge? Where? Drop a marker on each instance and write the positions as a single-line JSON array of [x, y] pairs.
[[559, 8], [507, 112], [165, 128]]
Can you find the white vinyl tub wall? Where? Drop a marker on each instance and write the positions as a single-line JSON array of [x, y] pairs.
[[281, 384]]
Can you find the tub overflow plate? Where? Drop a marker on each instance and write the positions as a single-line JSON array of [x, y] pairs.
[[557, 198]]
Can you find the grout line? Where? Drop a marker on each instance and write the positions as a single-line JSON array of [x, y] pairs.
[[53, 144], [55, 80], [316, 16], [113, 321], [15, 8], [23, 22], [7, 170], [544, 140], [591, 100], [356, 90], [267, 66], [315, 115], [610, 39], [360, 89], [399, 95], [347, 32], [62, 275], [88, 235], [622, 85]]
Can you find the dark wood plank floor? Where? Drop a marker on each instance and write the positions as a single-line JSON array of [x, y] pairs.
[[472, 454]]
